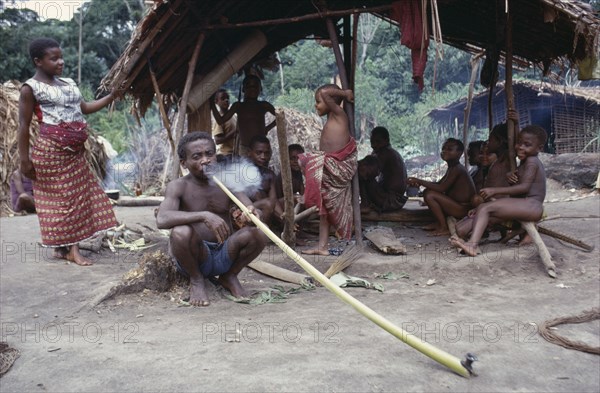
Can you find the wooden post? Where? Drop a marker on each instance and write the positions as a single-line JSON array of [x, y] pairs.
[[352, 80], [288, 235], [349, 107], [199, 119], [510, 99], [162, 110], [474, 68], [184, 99]]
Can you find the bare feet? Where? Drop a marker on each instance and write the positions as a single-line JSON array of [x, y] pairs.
[[72, 254], [231, 283], [316, 251], [440, 232], [431, 227], [469, 248], [75, 256], [198, 295]]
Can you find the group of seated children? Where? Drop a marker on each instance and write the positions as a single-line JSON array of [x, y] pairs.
[[490, 194]]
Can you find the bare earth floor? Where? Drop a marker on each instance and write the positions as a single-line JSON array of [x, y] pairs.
[[490, 305]]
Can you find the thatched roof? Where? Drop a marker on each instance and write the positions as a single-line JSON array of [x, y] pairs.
[[543, 31], [587, 96]]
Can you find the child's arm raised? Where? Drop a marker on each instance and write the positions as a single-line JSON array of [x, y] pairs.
[[328, 95], [271, 109], [227, 115]]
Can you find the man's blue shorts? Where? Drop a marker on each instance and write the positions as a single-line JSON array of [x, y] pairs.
[[216, 263]]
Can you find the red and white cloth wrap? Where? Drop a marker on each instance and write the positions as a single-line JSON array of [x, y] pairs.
[[328, 185], [71, 206]]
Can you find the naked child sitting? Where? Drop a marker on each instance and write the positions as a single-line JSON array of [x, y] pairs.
[[451, 195], [196, 210], [527, 191]]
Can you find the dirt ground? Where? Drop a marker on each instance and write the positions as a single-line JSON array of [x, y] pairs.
[[490, 305]]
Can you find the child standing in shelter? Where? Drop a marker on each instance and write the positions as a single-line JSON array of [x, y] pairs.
[[329, 172], [224, 134], [265, 198], [250, 114], [451, 195], [70, 204], [527, 191]]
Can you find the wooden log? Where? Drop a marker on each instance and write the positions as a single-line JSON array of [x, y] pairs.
[[529, 226], [140, 201], [234, 61], [306, 213], [404, 215], [288, 235], [279, 273], [384, 239]]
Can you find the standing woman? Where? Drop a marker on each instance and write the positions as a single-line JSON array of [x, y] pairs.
[[71, 205]]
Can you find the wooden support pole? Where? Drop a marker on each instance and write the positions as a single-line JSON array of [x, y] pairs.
[[349, 107], [183, 104], [544, 254], [162, 110], [288, 235], [474, 68], [510, 99], [352, 80]]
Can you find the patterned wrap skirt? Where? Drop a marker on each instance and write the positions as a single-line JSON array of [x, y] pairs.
[[328, 185], [71, 206]]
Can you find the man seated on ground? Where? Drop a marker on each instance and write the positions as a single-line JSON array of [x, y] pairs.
[[196, 210], [265, 198], [382, 181], [21, 193]]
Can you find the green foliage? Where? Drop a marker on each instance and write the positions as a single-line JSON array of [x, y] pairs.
[[302, 100], [306, 65]]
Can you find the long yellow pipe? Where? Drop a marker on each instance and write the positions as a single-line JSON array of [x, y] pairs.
[[427, 349]]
